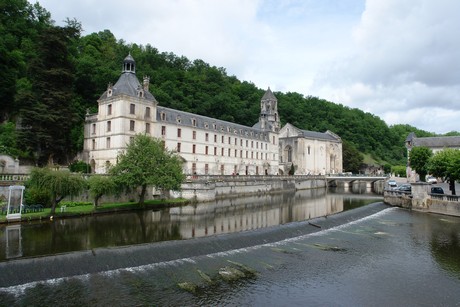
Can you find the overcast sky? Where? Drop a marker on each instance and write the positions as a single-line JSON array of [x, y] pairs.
[[397, 59]]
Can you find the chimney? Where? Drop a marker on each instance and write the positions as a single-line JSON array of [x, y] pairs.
[[146, 83]]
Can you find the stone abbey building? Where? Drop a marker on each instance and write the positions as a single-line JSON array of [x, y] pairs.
[[208, 146]]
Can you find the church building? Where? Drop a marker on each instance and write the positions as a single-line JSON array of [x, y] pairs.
[[208, 146]]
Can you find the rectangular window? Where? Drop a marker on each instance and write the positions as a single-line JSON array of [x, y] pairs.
[[236, 141], [206, 169], [194, 135], [147, 128], [215, 138], [94, 144], [109, 109], [163, 130], [241, 142], [132, 108], [241, 154], [131, 139], [222, 139], [252, 144], [107, 142], [236, 153], [229, 154], [194, 168], [247, 143], [131, 125], [178, 147], [206, 150], [229, 140], [215, 151], [222, 169], [109, 126], [246, 154], [147, 112], [222, 152], [274, 140], [193, 148], [179, 132], [94, 129], [206, 136]]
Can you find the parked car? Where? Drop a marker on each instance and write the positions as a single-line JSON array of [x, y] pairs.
[[405, 187], [437, 190], [431, 179], [392, 183]]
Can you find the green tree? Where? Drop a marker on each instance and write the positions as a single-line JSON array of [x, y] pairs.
[[399, 170], [352, 158], [147, 163], [99, 186], [446, 164], [419, 157], [56, 184]]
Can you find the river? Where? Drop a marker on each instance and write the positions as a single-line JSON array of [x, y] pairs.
[[309, 248]]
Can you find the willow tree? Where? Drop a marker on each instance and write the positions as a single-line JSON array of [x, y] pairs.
[[56, 184], [147, 163], [101, 185]]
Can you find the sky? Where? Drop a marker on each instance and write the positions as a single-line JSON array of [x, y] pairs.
[[398, 60]]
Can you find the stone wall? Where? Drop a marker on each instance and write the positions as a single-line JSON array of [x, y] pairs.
[[208, 190], [420, 199]]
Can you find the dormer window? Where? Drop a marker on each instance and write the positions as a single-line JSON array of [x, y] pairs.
[[109, 93], [163, 116], [194, 122], [178, 119]]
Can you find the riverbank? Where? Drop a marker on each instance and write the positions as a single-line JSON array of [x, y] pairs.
[[83, 210]]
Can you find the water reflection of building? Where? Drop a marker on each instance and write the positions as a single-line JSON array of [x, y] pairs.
[[235, 215], [13, 244]]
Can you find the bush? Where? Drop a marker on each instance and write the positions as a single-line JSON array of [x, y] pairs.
[[36, 196], [399, 170]]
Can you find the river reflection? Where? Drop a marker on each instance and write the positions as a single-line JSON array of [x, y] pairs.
[[200, 220]]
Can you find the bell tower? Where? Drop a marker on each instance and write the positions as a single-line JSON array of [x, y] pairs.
[[269, 119]]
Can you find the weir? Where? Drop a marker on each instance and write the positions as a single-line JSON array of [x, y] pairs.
[[24, 271]]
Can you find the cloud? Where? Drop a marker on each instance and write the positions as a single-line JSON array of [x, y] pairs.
[[396, 59], [404, 66]]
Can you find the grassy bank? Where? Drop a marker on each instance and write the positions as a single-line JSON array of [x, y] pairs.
[[76, 210]]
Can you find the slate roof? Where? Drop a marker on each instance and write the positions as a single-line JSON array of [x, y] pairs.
[[437, 141], [329, 136], [128, 84], [206, 123], [269, 95]]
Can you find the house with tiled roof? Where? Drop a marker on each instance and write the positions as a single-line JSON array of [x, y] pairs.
[[435, 143], [208, 146]]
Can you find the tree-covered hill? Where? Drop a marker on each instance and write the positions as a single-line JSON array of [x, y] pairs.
[[51, 75]]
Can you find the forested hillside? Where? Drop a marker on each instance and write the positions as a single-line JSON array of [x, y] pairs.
[[51, 75]]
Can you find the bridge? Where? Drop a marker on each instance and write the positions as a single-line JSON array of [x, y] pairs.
[[347, 180]]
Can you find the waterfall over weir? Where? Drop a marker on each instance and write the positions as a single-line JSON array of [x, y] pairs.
[[99, 260]]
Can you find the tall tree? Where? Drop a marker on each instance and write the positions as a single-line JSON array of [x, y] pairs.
[[419, 158], [147, 163], [48, 111]]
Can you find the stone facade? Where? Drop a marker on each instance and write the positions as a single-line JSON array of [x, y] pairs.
[[311, 153], [208, 146]]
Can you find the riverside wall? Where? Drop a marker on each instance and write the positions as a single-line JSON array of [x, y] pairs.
[[204, 188], [420, 199]]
